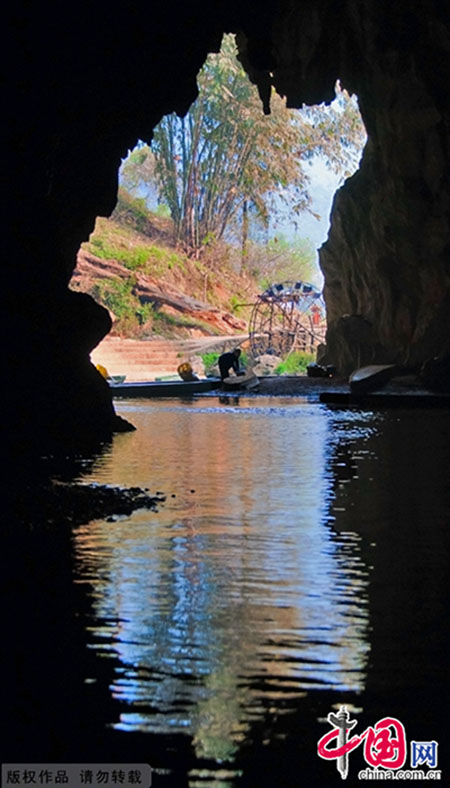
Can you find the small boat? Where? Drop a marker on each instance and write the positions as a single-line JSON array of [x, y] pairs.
[[116, 378], [372, 377], [164, 388]]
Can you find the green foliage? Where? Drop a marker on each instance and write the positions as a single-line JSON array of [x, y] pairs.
[[132, 211], [132, 258], [226, 159], [235, 301], [209, 360], [163, 211], [150, 259], [138, 166], [117, 295], [282, 260], [296, 362], [244, 358], [165, 258]]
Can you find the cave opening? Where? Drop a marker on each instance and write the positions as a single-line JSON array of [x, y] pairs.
[[386, 258], [239, 192], [363, 544]]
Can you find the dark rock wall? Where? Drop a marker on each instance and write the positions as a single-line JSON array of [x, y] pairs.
[[388, 254], [84, 81], [393, 222]]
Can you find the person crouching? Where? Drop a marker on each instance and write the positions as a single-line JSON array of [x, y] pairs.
[[228, 361]]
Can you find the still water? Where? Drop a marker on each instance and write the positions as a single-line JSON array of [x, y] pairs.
[[287, 571]]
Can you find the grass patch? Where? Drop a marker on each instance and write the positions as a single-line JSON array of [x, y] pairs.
[[133, 212], [234, 303], [132, 258], [154, 260], [117, 296], [112, 241], [295, 363], [209, 361]]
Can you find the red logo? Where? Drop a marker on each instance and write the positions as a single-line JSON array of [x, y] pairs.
[[384, 744]]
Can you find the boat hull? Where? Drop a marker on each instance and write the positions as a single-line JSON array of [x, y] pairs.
[[157, 388], [372, 377]]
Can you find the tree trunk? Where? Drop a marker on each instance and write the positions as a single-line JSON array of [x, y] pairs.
[[244, 252]]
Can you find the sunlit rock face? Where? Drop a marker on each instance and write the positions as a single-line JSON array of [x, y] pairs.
[[84, 84]]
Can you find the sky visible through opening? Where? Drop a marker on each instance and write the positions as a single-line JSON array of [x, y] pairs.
[[281, 221], [324, 184]]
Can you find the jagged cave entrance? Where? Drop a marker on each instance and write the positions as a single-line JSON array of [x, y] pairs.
[[297, 566], [223, 204]]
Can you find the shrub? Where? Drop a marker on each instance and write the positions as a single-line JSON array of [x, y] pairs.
[[131, 210], [295, 362], [117, 295], [235, 302], [209, 360]]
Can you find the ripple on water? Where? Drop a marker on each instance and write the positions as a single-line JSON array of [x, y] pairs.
[[237, 597]]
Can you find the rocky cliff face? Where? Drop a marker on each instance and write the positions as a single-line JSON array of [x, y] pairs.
[[388, 253], [387, 259], [84, 83]]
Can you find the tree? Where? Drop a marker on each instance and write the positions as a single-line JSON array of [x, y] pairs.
[[282, 260], [226, 160], [137, 173]]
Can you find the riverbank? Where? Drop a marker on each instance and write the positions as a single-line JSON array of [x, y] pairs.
[[313, 388], [407, 391], [300, 385]]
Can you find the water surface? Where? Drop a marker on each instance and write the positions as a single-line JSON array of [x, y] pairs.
[[271, 582]]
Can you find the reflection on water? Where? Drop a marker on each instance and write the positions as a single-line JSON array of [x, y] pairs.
[[238, 593], [299, 561]]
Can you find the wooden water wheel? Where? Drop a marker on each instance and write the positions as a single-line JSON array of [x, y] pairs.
[[287, 315]]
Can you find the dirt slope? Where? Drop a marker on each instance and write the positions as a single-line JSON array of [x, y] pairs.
[[163, 294], [151, 288]]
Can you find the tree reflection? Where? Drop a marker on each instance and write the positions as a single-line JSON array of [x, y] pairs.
[[235, 600]]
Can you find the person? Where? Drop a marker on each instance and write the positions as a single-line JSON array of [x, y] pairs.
[[229, 361]]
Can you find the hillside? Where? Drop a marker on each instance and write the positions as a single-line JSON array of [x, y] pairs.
[[150, 288]]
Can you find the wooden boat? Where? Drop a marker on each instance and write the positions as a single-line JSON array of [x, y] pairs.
[[372, 377], [164, 388]]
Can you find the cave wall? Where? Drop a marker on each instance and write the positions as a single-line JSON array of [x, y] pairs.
[[387, 259], [388, 253], [86, 81]]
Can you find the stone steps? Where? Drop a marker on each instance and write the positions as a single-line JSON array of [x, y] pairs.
[[149, 359], [137, 360]]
